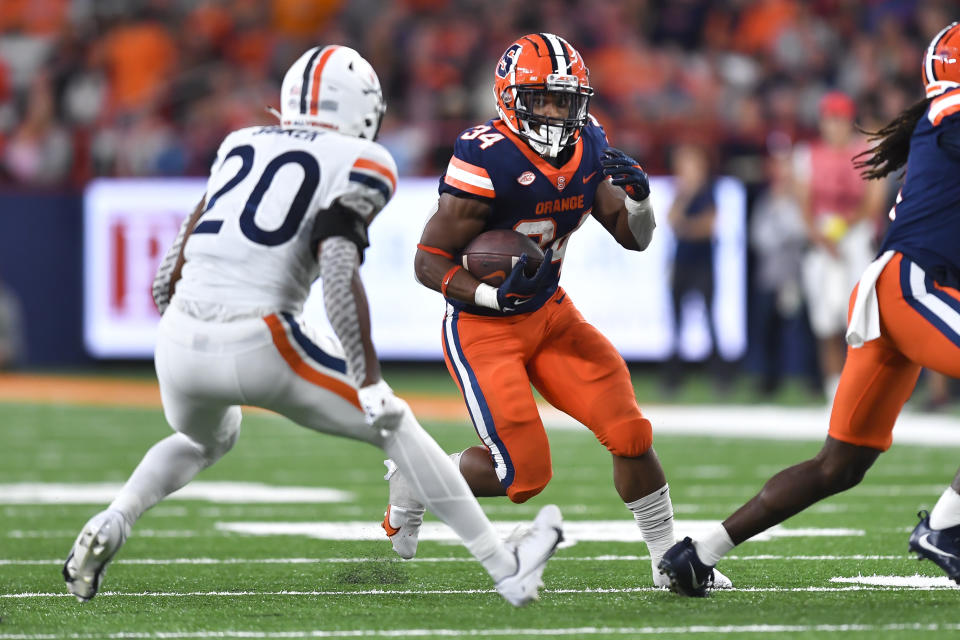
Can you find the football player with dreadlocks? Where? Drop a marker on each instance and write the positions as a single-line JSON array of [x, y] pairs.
[[541, 168], [904, 315]]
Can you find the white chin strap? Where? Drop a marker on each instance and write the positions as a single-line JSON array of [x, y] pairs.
[[545, 132]]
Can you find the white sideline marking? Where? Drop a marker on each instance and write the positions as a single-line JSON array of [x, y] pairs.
[[421, 592], [141, 533], [573, 530], [769, 422], [913, 582], [460, 633], [602, 558], [220, 492]]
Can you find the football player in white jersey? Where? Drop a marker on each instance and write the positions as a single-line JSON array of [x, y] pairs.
[[284, 205]]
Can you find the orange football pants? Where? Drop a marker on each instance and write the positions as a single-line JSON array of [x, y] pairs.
[[494, 360], [920, 327]]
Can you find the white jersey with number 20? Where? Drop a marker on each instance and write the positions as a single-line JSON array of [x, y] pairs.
[[251, 250]]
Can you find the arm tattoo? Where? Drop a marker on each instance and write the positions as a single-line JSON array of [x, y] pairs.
[[338, 263]]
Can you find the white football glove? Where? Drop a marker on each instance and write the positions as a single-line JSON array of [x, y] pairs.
[[381, 409]]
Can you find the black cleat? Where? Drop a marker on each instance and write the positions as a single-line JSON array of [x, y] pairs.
[[941, 546], [688, 575]]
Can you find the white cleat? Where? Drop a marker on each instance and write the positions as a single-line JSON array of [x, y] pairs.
[[402, 523], [721, 581], [660, 580], [532, 549], [98, 542]]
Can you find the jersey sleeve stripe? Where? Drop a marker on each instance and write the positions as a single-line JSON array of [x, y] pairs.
[[374, 182], [483, 182], [469, 188], [943, 106], [376, 167], [480, 172]]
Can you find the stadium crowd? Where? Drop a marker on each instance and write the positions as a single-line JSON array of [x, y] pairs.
[[149, 87]]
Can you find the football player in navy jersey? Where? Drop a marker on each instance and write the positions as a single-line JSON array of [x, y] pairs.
[[541, 168], [904, 315]]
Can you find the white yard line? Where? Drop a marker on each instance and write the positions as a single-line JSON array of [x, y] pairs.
[[472, 633], [601, 558], [420, 592]]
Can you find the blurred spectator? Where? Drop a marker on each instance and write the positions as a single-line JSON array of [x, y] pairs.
[[938, 391], [140, 56], [692, 217], [841, 211], [778, 237], [11, 328], [40, 150]]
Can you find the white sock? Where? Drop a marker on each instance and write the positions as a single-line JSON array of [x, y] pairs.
[[654, 516], [166, 467], [446, 494], [946, 513], [713, 546]]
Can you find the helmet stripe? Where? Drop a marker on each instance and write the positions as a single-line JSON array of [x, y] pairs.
[[565, 46], [928, 59], [317, 72], [306, 80], [559, 53]]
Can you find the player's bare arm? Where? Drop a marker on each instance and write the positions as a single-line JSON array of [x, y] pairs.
[[609, 208], [456, 222]]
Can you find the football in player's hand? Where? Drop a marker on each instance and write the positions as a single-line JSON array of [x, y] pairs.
[[492, 254]]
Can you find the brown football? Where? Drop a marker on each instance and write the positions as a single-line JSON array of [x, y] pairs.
[[491, 255]]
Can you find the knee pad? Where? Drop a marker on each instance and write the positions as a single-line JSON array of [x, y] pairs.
[[629, 438]]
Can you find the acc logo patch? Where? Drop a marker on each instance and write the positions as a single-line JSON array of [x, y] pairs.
[[508, 60], [526, 178]]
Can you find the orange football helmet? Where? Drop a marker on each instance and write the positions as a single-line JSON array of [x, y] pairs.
[[534, 67], [941, 63]]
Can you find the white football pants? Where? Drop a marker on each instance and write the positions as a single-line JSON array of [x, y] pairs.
[[207, 369]]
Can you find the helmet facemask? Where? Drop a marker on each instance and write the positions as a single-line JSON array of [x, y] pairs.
[[549, 134]]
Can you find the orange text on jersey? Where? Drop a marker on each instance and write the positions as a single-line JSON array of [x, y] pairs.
[[560, 204]]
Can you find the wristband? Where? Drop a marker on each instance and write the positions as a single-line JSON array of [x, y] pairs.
[[486, 296], [640, 220], [447, 278]]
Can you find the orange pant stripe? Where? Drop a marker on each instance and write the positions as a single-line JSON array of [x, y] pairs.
[[303, 368]]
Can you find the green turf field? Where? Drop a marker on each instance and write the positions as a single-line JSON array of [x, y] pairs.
[[184, 574]]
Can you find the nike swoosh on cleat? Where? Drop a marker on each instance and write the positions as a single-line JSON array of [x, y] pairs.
[[930, 547], [391, 531], [587, 179], [693, 574]]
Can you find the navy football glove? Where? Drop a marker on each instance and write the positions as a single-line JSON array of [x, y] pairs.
[[627, 173], [518, 288]]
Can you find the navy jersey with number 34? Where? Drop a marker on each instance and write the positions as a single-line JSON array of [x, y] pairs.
[[926, 218], [525, 192]]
